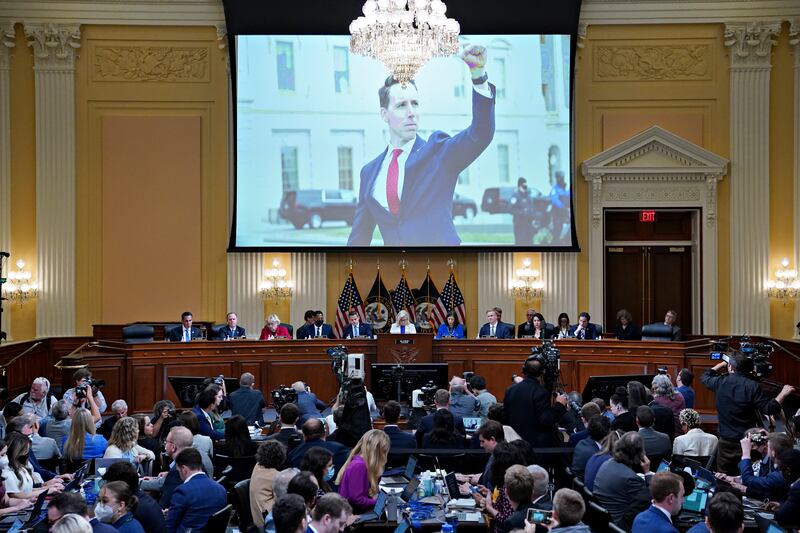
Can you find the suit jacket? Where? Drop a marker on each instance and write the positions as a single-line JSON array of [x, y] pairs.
[[517, 518], [205, 427], [677, 334], [363, 330], [171, 482], [285, 435], [528, 410], [309, 331], [501, 330], [655, 442], [339, 451], [226, 332], [193, 503], [399, 438], [309, 406], [621, 492], [521, 332], [590, 333], [653, 520], [788, 514], [431, 173], [583, 451], [176, 334], [426, 426]]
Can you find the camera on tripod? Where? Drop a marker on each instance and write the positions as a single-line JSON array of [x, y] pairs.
[[423, 396], [757, 352], [283, 395], [89, 383]]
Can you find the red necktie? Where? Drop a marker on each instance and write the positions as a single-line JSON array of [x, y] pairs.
[[392, 198]]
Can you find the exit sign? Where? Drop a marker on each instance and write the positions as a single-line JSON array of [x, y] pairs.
[[647, 216]]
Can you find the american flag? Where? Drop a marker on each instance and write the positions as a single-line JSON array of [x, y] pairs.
[[349, 299], [403, 299], [450, 299]]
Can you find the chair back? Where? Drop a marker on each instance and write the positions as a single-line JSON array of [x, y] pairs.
[[599, 328], [169, 328], [241, 492], [137, 333], [240, 467], [597, 517], [215, 331], [657, 332], [289, 327], [218, 523]]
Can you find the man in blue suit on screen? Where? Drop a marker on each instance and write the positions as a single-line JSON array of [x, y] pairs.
[[407, 191]]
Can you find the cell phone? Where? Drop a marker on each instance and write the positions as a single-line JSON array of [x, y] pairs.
[[537, 516]]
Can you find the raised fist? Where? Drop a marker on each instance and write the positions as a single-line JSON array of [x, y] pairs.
[[475, 58]]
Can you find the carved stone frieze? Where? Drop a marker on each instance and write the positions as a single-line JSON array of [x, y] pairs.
[[654, 194], [660, 148], [751, 43], [151, 64], [652, 62], [7, 37], [54, 45]]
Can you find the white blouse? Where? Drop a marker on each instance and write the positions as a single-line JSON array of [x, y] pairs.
[[12, 483]]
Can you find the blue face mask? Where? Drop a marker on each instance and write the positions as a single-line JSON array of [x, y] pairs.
[[329, 474]]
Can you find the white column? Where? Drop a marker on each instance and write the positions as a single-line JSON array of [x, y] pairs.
[[310, 286], [750, 52], [495, 271], [794, 41], [54, 48], [7, 42], [560, 277], [244, 273]]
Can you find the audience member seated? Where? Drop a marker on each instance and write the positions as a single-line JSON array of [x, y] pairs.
[[403, 324], [120, 409], [596, 461], [443, 434], [770, 483], [18, 476], [10, 411], [583, 329], [237, 439], [604, 410], [685, 380], [196, 498], [270, 456], [541, 485], [598, 428], [123, 442], [231, 329], [655, 442], [319, 462], [9, 505], [496, 501], [588, 410], [358, 479], [441, 400], [494, 328], [207, 400], [22, 425], [617, 487], [695, 442], [664, 419], [787, 513], [451, 329], [57, 427], [178, 439], [331, 514], [73, 505], [563, 327], [186, 332], [146, 429], [519, 487], [72, 523], [289, 515], [724, 514], [314, 433], [200, 442], [38, 400], [489, 435], [665, 394], [477, 384], [668, 492], [147, 510], [355, 328], [273, 329], [308, 403], [163, 419], [305, 485], [568, 511], [247, 401], [83, 441], [115, 506], [398, 438], [280, 487], [287, 418], [623, 419], [462, 402], [43, 448], [625, 329]]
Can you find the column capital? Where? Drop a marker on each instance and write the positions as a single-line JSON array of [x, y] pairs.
[[7, 38], [54, 45], [794, 40], [751, 43]]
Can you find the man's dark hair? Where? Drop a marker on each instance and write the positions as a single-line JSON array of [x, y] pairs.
[[383, 92], [741, 363], [780, 442], [645, 416], [491, 429], [477, 382], [504, 456], [663, 484], [288, 513], [589, 409], [190, 458], [629, 450], [309, 314], [598, 427], [353, 312], [584, 314], [521, 182], [12, 410], [533, 367], [331, 504], [789, 464], [125, 472], [313, 429], [725, 513], [391, 412], [185, 314], [271, 454], [81, 373], [318, 312], [69, 503], [289, 413], [497, 413], [687, 377], [207, 396], [304, 485]]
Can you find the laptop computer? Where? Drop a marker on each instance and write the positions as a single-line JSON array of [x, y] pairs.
[[380, 505], [402, 526], [664, 465], [472, 423], [32, 516], [454, 493], [406, 476], [410, 490], [696, 502], [103, 464], [766, 524], [77, 478]]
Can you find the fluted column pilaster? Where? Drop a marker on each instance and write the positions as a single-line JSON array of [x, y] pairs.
[[495, 271], [560, 277], [6, 44], [794, 42], [750, 47], [54, 48], [244, 273], [310, 285]]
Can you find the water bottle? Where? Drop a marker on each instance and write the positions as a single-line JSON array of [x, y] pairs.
[[447, 528], [89, 492]]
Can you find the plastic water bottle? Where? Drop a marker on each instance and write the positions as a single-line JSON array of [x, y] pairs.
[[447, 528]]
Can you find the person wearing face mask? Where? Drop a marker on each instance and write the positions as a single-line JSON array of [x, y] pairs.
[[18, 476], [69, 503], [319, 462], [321, 329], [197, 498], [668, 492], [116, 505]]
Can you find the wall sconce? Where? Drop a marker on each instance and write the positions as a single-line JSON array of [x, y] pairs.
[[527, 286], [786, 287], [274, 285], [20, 286]]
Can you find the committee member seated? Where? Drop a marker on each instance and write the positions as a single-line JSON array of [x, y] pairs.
[[451, 329], [306, 331], [671, 319], [273, 329], [403, 324], [668, 492], [625, 329], [526, 328], [695, 442], [398, 438], [355, 328], [247, 401], [232, 329], [360, 475], [583, 329], [562, 327], [321, 329], [196, 498], [37, 400], [185, 332], [494, 328]]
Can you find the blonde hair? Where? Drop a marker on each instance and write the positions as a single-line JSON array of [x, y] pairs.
[[82, 423], [273, 317], [72, 523], [402, 314], [373, 447], [124, 434]]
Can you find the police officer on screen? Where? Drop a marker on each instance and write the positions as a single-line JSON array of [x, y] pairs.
[[740, 404], [522, 211]]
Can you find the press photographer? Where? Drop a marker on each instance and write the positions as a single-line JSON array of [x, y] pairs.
[[740, 404], [87, 393]]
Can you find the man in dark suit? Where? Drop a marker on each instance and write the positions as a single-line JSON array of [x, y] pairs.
[[314, 433], [231, 330], [598, 427], [494, 328], [321, 329], [526, 328], [185, 332], [788, 514], [670, 320], [656, 444], [528, 409], [397, 437], [307, 329], [197, 498], [667, 490], [583, 329], [307, 402], [288, 434], [356, 329], [407, 191], [518, 483], [441, 400]]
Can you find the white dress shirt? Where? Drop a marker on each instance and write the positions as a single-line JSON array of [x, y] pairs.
[[379, 189]]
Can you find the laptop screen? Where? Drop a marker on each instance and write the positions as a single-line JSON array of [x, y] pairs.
[[696, 501], [380, 503], [662, 466], [472, 423], [410, 490], [411, 465], [774, 528]]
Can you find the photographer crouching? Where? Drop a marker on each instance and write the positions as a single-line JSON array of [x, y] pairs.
[[86, 393], [740, 403]]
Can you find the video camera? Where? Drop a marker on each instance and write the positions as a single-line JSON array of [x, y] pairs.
[[94, 384], [283, 395], [423, 396], [550, 358], [757, 352]]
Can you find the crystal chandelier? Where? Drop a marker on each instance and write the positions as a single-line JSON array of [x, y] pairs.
[[527, 286], [786, 287], [20, 288], [275, 286], [404, 34]]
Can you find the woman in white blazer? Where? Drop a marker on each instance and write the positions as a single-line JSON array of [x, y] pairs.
[[403, 324]]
